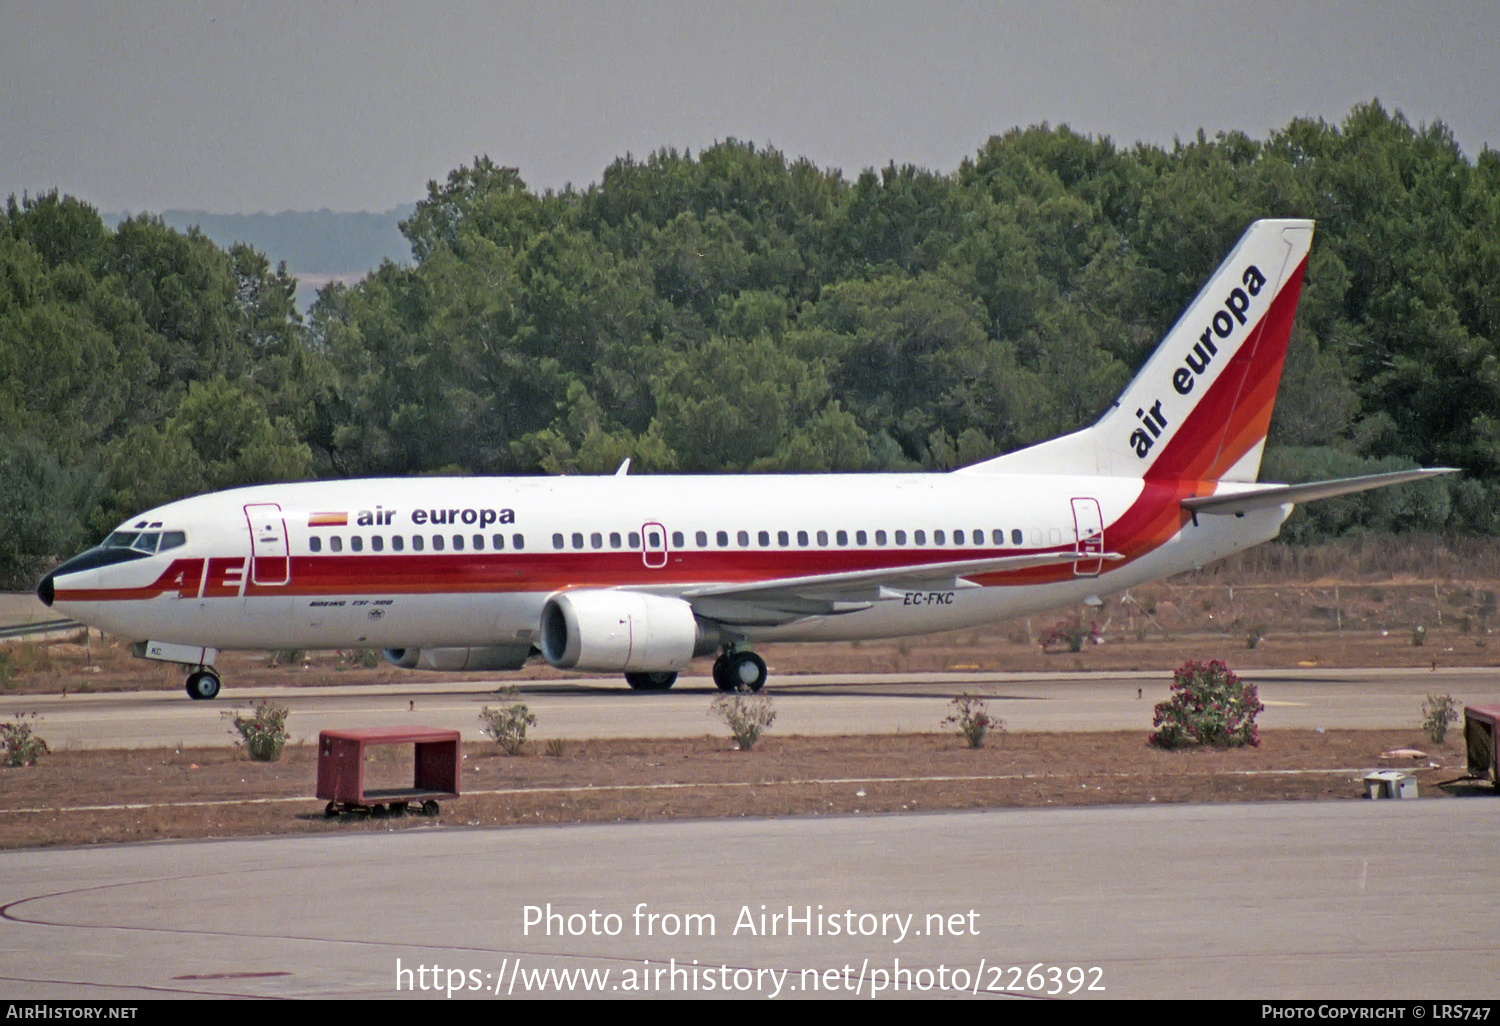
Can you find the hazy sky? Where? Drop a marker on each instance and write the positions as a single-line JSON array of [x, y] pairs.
[[239, 107]]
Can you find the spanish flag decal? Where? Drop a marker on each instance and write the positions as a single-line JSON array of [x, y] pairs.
[[328, 520]]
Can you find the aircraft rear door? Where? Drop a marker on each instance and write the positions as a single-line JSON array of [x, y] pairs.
[[1088, 527], [270, 562]]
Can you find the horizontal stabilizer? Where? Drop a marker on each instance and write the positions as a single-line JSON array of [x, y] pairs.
[[1244, 499]]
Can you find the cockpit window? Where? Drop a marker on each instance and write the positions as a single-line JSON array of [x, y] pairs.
[[145, 541]]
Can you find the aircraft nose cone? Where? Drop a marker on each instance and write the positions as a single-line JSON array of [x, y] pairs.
[[44, 590]]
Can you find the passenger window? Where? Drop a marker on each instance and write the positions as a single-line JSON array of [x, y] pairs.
[[919, 537], [458, 543], [764, 537], [596, 540], [677, 540], [842, 537], [1015, 536], [336, 544], [879, 537], [722, 538], [783, 539], [860, 538], [497, 541], [744, 539], [978, 536], [578, 539], [557, 541], [801, 537], [937, 538], [479, 543], [822, 537], [635, 539], [958, 538], [900, 537], [377, 544], [614, 539], [437, 543], [518, 541], [315, 544], [396, 543], [416, 543], [171, 540], [702, 539], [356, 544], [653, 539]]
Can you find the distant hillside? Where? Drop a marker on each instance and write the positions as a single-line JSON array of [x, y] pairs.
[[318, 246]]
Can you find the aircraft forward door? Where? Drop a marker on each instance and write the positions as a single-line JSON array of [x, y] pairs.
[[654, 545], [270, 554], [1088, 528]]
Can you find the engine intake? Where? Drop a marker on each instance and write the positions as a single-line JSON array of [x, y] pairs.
[[611, 631]]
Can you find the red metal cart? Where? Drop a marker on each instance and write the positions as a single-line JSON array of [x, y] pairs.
[[1481, 734], [341, 770]]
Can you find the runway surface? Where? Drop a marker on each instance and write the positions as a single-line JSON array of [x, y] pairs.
[[1326, 900], [822, 704], [1346, 900]]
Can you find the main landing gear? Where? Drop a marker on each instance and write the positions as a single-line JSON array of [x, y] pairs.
[[651, 681], [737, 669], [202, 684]]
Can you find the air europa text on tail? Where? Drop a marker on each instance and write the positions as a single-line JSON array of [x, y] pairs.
[[1231, 315]]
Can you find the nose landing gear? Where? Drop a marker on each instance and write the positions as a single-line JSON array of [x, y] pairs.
[[202, 684]]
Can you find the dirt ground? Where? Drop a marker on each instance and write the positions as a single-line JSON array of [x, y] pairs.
[[84, 797], [1396, 603]]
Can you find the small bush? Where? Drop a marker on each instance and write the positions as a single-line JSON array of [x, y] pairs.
[[972, 718], [746, 714], [556, 747], [1254, 636], [263, 733], [1418, 636], [507, 726], [1210, 705], [1069, 634], [19, 744], [1437, 712]]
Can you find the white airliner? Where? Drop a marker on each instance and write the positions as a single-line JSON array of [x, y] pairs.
[[640, 574]]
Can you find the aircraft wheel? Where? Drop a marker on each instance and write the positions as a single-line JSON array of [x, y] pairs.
[[746, 670], [202, 685], [651, 681], [722, 679]]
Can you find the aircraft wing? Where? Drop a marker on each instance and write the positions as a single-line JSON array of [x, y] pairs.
[[785, 599], [1246, 498]]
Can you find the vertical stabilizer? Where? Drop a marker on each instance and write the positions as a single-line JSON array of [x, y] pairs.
[[1200, 407]]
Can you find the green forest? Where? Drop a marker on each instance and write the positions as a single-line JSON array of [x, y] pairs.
[[740, 310]]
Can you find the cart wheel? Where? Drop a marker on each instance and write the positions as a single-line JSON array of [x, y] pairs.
[[378, 811], [429, 808], [398, 808], [331, 811]]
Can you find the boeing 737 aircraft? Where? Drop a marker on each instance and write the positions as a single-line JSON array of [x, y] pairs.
[[640, 574]]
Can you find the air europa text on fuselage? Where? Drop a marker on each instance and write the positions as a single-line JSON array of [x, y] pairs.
[[472, 517], [1231, 315]]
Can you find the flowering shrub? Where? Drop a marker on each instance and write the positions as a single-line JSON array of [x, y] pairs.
[[972, 718], [1210, 705], [262, 733], [19, 744]]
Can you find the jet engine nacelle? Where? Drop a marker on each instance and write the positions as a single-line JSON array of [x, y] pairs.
[[610, 631], [453, 660]]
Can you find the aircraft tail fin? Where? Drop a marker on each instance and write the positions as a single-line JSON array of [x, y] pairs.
[[1200, 407]]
